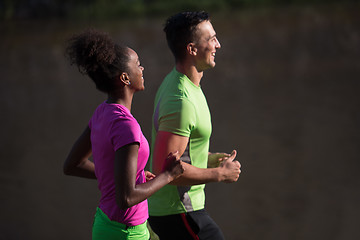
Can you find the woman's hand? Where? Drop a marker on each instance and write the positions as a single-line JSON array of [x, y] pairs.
[[173, 165]]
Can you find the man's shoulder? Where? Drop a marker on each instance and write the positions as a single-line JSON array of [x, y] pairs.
[[172, 86]]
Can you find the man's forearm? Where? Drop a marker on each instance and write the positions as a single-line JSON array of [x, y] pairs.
[[194, 176]]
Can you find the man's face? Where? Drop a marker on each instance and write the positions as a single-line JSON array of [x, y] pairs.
[[206, 45]]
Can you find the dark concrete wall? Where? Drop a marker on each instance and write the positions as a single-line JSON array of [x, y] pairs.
[[284, 93]]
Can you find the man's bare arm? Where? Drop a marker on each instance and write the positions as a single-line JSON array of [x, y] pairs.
[[167, 142]]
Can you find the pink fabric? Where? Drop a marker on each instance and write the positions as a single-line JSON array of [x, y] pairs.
[[112, 126]]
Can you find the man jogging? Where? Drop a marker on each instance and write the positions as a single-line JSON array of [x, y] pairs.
[[182, 122]]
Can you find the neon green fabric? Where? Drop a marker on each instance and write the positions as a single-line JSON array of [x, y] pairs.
[[104, 228], [180, 107]]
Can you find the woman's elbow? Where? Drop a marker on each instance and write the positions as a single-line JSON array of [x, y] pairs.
[[67, 169], [124, 203]]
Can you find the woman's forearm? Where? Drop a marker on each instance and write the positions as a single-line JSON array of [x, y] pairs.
[[141, 192]]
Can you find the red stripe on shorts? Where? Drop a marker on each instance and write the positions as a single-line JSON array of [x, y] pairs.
[[187, 225]]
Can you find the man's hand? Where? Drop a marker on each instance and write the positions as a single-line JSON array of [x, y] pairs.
[[149, 176], [230, 168], [214, 159]]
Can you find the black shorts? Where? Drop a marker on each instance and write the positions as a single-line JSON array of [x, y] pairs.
[[186, 226]]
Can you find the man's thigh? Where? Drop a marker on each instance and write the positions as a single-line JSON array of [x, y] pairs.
[[188, 226]]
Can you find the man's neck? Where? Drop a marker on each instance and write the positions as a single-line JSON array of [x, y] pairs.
[[190, 71]]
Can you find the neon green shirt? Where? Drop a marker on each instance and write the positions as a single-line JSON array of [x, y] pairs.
[[180, 107]]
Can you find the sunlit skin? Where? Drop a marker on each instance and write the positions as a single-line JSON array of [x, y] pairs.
[[205, 44], [135, 72], [128, 82], [200, 54]]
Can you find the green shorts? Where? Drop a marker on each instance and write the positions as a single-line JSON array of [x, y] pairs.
[[104, 228]]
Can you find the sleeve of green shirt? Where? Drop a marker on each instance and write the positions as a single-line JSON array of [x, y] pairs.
[[178, 117]]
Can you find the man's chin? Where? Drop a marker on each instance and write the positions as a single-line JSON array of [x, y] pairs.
[[206, 67], [212, 65]]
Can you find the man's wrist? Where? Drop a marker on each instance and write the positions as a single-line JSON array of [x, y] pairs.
[[219, 174]]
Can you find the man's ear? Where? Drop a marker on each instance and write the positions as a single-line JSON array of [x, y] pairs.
[[124, 77], [192, 50]]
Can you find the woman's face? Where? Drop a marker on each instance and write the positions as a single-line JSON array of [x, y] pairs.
[[135, 72]]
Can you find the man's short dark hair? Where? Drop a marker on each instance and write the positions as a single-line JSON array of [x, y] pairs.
[[180, 29]]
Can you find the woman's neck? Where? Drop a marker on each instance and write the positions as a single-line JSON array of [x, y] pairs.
[[124, 98]]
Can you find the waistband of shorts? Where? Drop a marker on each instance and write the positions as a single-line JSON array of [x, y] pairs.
[[106, 219]]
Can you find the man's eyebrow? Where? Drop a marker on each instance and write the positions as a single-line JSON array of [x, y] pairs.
[[212, 36]]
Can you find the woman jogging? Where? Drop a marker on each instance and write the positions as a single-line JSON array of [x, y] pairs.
[[114, 138]]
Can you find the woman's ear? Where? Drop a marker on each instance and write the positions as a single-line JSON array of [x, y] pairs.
[[124, 77], [192, 50]]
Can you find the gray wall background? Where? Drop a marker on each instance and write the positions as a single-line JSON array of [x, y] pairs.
[[284, 93]]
